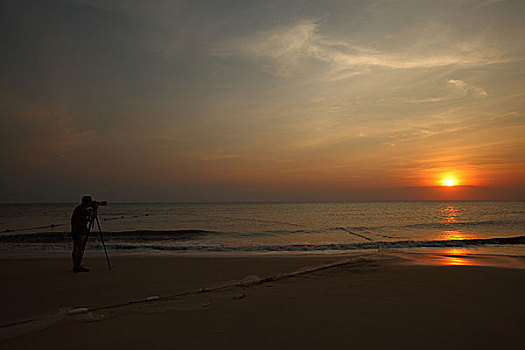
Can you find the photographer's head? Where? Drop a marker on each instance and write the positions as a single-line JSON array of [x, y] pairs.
[[86, 200]]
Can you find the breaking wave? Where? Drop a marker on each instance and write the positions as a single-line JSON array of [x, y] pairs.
[[401, 244], [338, 247], [437, 226]]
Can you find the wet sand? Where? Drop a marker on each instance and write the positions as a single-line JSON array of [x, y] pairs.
[[373, 301]]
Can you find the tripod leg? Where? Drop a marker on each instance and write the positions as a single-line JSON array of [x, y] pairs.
[[102, 239]]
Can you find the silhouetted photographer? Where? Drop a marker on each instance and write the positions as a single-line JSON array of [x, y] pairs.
[[82, 220]]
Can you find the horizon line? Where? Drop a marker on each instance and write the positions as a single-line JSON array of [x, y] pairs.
[[282, 202]]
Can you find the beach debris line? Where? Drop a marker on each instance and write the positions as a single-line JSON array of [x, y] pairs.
[[248, 281], [80, 310], [19, 328]]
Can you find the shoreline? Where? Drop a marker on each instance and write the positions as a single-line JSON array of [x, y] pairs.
[[414, 254]]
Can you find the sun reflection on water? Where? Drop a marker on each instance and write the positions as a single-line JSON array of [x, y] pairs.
[[454, 256], [455, 235], [449, 214], [448, 257], [460, 257]]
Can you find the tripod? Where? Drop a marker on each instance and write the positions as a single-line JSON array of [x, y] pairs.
[[91, 224]]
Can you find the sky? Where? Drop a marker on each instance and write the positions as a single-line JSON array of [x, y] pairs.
[[297, 100]]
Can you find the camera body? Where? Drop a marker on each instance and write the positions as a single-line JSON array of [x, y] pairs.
[[95, 204]]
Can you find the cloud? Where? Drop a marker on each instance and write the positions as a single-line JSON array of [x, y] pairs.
[[211, 156], [430, 100], [289, 48], [468, 89], [460, 89]]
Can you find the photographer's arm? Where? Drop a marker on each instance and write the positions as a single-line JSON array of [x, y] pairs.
[[94, 213]]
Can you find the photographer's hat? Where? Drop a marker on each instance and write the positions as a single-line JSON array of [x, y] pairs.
[[87, 199]]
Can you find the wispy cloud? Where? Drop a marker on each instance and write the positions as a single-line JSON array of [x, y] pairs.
[[459, 89], [289, 48], [468, 89], [215, 156]]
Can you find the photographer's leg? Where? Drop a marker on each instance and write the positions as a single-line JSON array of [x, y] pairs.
[[83, 243], [77, 251]]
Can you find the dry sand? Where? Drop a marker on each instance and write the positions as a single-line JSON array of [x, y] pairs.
[[377, 301]]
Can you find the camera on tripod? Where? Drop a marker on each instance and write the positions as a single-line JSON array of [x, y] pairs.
[[93, 206], [101, 203]]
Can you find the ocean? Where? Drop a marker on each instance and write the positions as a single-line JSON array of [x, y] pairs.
[[324, 227]]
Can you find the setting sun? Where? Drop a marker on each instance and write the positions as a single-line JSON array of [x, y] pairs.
[[449, 182]]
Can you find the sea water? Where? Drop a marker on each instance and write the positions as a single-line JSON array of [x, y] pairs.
[[273, 227]]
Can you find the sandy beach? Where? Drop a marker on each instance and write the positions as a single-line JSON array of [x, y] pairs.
[[375, 300]]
